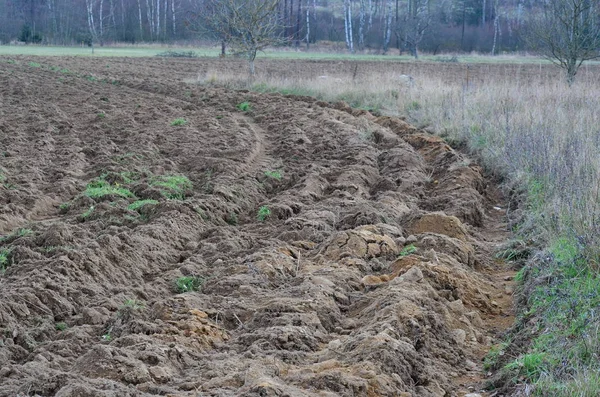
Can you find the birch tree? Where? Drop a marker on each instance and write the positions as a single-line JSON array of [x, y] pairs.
[[348, 25]]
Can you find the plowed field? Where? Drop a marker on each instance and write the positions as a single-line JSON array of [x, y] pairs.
[[319, 250]]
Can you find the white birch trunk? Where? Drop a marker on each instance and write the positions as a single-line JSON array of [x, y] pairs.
[[174, 18], [307, 27], [157, 15]]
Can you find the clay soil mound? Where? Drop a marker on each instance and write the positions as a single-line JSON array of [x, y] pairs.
[[333, 253]]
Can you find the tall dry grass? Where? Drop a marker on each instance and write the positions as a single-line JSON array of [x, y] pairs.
[[543, 137]]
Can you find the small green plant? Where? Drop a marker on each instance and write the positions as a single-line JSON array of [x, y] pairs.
[[88, 212], [408, 250], [132, 304], [244, 106], [107, 337], [232, 218], [188, 284], [530, 365], [173, 186], [23, 232], [100, 188], [91, 78], [491, 360], [263, 213], [34, 65], [61, 326], [64, 207], [5, 260], [219, 117], [273, 174], [136, 205], [178, 122], [101, 115], [65, 71]]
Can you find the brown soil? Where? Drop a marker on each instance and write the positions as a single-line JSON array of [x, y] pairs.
[[325, 297]]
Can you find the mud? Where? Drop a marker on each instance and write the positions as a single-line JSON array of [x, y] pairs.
[[371, 275]]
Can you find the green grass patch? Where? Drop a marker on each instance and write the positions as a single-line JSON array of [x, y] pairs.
[[263, 213], [179, 121], [5, 259], [61, 326], [136, 205], [100, 188], [188, 284], [172, 186], [274, 174], [34, 65], [408, 250], [244, 106], [88, 212]]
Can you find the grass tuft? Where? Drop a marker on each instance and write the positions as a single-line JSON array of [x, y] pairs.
[[188, 284], [136, 205], [172, 186], [263, 213], [100, 188], [179, 121]]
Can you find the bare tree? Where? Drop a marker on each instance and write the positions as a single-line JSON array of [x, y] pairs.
[[567, 32], [415, 23], [247, 26]]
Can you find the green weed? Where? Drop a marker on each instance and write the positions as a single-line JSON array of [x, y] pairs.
[[273, 174], [244, 106], [408, 250], [136, 205], [101, 115], [172, 186], [188, 284], [34, 65], [88, 212], [5, 259], [178, 122], [61, 326], [263, 213], [232, 218], [100, 188]]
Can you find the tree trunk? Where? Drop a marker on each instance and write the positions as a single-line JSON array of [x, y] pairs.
[[361, 25], [141, 23], [101, 14], [298, 19], [307, 28]]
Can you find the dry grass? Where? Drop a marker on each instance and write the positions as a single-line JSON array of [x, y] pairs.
[[543, 137]]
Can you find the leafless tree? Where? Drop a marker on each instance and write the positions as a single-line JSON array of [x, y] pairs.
[[567, 32], [414, 24], [247, 26]]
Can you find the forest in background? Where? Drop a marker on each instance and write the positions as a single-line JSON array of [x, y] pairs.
[[377, 25]]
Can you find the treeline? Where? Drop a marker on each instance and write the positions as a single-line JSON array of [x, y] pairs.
[[380, 25]]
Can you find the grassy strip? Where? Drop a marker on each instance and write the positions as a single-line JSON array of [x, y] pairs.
[[542, 138]]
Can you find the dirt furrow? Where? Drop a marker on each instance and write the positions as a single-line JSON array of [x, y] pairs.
[[333, 252]]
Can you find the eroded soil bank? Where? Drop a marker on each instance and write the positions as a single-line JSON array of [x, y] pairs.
[[339, 253]]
